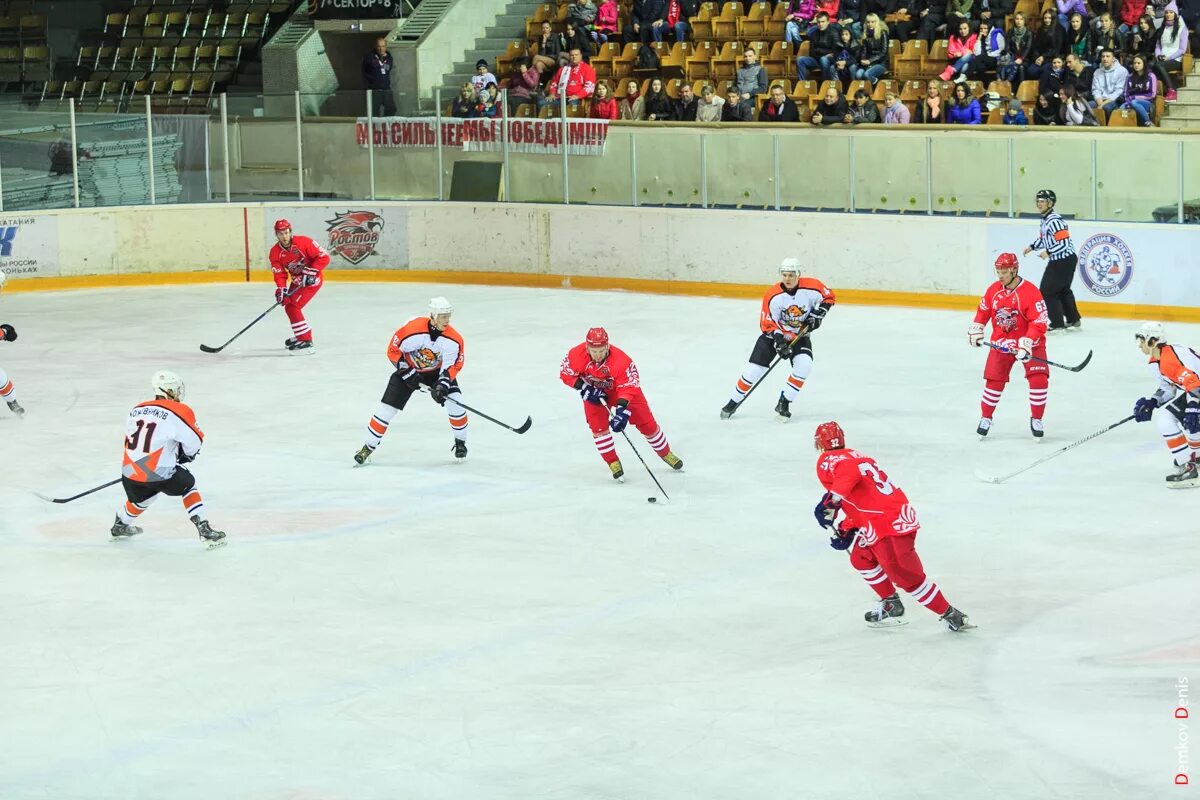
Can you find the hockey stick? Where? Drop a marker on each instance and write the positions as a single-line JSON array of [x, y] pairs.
[[760, 381], [208, 349], [1082, 364], [644, 464], [524, 426], [1059, 452], [77, 496]]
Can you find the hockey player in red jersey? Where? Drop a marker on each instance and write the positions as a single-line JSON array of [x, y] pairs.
[[607, 380], [1018, 315], [297, 263], [7, 392], [425, 351], [878, 527], [161, 435], [791, 310], [1177, 397]]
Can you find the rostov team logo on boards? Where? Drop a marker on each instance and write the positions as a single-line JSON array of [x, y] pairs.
[[355, 234], [1105, 264]]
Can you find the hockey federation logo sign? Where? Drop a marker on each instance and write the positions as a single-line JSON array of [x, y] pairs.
[[1105, 264], [355, 234]]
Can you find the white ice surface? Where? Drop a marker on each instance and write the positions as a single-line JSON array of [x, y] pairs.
[[519, 626]]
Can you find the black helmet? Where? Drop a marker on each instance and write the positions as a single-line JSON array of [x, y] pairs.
[[1047, 194]]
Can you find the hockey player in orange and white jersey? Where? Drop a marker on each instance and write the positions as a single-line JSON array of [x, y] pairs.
[[161, 435], [1177, 369], [7, 393], [791, 310], [426, 351]]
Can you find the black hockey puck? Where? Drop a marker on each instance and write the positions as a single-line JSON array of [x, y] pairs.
[[651, 499]]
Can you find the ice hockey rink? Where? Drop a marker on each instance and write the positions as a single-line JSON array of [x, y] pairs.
[[520, 626]]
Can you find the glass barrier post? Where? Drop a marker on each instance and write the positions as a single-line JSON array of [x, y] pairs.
[[853, 176], [929, 175], [299, 148], [74, 155], [1178, 160], [437, 102], [1, 191], [150, 149], [1095, 191], [633, 140], [562, 111], [504, 123], [703, 170], [371, 142], [225, 141], [775, 169], [1012, 209]]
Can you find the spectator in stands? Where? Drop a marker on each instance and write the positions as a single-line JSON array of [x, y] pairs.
[[1068, 7], [551, 50], [779, 107], [489, 102], [711, 105], [483, 76], [873, 52], [575, 81], [658, 105], [377, 74], [995, 12], [1172, 44], [1045, 110], [677, 19], [686, 105], [1079, 75], [895, 112], [830, 7], [822, 48], [1052, 77], [1104, 36], [751, 77], [931, 110], [832, 109], [604, 105], [736, 109], [902, 22], [989, 47], [1073, 109], [464, 105], [932, 16], [1130, 14], [524, 85], [633, 105], [647, 21], [964, 108], [960, 50], [1078, 36], [1159, 9], [958, 11], [1108, 82], [582, 13], [1049, 41], [1019, 44], [1143, 39], [798, 19], [850, 15], [1189, 11], [1141, 87], [578, 39], [847, 41], [607, 16], [1014, 114], [863, 109], [840, 73]]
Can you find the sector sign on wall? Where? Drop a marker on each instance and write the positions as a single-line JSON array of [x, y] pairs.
[[357, 237]]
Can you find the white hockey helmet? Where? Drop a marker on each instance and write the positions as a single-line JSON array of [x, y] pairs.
[[1151, 331], [168, 384], [440, 305], [789, 265]]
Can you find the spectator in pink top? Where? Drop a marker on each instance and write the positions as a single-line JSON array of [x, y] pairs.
[[960, 49]]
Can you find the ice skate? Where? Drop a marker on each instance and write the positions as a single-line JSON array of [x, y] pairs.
[[1036, 428], [783, 408], [362, 455], [212, 537], [1056, 329], [460, 449], [15, 408], [618, 472], [956, 620], [985, 425], [1076, 326], [122, 531], [888, 613], [302, 347], [290, 342], [1185, 476], [673, 461], [728, 409]]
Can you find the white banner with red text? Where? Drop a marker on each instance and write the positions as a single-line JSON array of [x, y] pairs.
[[585, 137]]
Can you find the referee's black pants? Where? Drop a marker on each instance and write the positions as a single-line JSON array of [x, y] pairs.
[[1056, 290]]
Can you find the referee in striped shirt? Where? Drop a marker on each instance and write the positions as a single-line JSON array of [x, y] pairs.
[[1054, 240]]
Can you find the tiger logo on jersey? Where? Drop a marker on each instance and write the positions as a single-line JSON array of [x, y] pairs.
[[354, 235], [792, 316], [1006, 319], [425, 358]]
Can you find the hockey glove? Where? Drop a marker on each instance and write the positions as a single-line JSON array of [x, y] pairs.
[[1024, 349], [975, 334], [593, 394], [308, 279], [816, 318], [620, 417], [281, 294], [1191, 418], [10, 333], [844, 538], [783, 347], [441, 389], [1144, 408], [826, 510], [182, 457], [409, 376]]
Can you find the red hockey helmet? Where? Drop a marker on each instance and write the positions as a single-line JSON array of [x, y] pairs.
[[1007, 261], [282, 225], [597, 337], [829, 436]]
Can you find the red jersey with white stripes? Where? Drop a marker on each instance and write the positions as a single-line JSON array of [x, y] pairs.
[[1015, 312], [870, 501], [617, 375], [302, 256]]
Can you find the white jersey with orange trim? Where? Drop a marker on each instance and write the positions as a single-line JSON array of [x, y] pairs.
[[426, 349], [787, 310], [1177, 368], [156, 432]]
